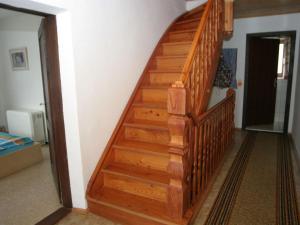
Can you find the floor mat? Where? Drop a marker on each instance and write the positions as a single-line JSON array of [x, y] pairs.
[[259, 188]]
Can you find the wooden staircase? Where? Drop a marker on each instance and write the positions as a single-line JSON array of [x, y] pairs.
[[132, 181]]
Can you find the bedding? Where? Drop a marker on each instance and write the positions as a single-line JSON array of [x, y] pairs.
[[10, 143], [17, 153]]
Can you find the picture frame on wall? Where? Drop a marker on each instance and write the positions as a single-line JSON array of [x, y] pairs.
[[19, 59]]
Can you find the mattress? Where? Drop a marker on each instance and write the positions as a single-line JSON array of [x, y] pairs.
[[10, 143], [17, 153]]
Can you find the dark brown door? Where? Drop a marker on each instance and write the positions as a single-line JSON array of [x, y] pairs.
[[262, 81], [49, 129]]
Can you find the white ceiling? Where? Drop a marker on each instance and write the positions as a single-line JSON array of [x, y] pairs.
[[6, 13]]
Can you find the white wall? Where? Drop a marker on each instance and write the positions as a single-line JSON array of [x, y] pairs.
[[281, 93], [296, 122], [108, 69], [110, 42], [242, 27], [193, 4], [2, 98], [20, 89]]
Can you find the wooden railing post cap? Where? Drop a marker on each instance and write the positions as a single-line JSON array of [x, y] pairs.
[[178, 84]]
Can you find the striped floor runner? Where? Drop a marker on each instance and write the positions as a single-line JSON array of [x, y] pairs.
[[259, 188]]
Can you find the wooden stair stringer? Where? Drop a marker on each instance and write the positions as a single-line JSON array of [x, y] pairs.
[[105, 174]]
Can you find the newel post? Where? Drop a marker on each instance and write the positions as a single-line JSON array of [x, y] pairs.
[[178, 168], [228, 26]]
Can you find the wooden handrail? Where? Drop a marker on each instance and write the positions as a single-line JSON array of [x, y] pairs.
[[195, 136], [199, 120], [197, 38]]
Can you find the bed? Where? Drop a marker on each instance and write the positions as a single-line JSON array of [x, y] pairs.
[[17, 153]]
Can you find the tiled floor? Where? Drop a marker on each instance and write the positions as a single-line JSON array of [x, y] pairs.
[[275, 127], [28, 196], [90, 219]]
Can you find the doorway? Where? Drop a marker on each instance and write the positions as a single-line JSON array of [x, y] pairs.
[[47, 42], [268, 81]]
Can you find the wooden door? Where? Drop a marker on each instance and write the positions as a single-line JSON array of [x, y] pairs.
[[49, 128], [262, 80]]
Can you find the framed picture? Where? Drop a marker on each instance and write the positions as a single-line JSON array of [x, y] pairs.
[[19, 59]]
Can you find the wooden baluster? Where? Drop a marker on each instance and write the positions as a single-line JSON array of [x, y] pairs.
[[215, 153], [200, 158], [205, 155], [195, 164], [179, 164]]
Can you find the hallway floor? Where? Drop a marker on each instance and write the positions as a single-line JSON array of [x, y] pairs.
[[29, 195], [255, 186]]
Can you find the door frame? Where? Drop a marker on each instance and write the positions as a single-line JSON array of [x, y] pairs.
[[291, 34], [58, 128]]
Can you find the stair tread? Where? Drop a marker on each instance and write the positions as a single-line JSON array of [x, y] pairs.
[[183, 31], [165, 71], [187, 21], [156, 86], [147, 124], [133, 203], [140, 173], [158, 105], [143, 146], [170, 56], [177, 43]]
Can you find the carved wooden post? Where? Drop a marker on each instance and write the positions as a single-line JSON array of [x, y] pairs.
[[178, 168], [228, 26]]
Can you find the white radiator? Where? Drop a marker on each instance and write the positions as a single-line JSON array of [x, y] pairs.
[[26, 123]]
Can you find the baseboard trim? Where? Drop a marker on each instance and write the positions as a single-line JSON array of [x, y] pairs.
[[80, 211], [54, 217], [294, 151]]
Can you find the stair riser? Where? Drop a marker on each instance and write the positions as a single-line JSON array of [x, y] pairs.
[[194, 16], [164, 78], [169, 63], [154, 95], [188, 36], [176, 49], [122, 216], [147, 135], [141, 159], [151, 114], [186, 26], [136, 187]]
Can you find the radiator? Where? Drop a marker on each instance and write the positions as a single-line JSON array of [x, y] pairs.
[[26, 123]]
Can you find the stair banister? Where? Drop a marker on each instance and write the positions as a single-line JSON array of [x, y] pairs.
[[190, 95]]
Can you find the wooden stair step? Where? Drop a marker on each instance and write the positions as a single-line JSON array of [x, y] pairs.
[[196, 13], [185, 21], [186, 24], [157, 105], [139, 181], [177, 43], [145, 124], [169, 62], [151, 111], [163, 77], [181, 35], [182, 31], [142, 154], [149, 148], [156, 86], [147, 131], [154, 93], [176, 48], [133, 206], [139, 173]]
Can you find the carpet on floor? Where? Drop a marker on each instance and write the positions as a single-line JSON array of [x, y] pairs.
[[259, 188]]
